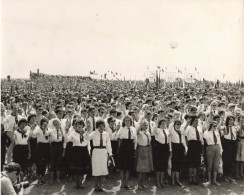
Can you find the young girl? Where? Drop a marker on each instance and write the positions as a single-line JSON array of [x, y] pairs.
[[43, 149], [101, 149], [179, 149], [162, 152], [56, 137], [240, 150], [229, 145], [80, 155], [21, 150], [126, 150], [195, 141], [144, 162], [213, 151]]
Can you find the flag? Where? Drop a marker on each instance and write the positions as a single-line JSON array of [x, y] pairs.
[[162, 70], [195, 69], [179, 71], [158, 67]]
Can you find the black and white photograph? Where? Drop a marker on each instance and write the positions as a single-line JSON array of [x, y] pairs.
[[122, 97]]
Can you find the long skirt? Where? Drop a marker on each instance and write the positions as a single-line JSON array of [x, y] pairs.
[[79, 160], [114, 145], [177, 156], [194, 154], [144, 161], [67, 156], [33, 148], [126, 155], [229, 154], [240, 150], [56, 156], [99, 162], [161, 157], [43, 151], [20, 155]]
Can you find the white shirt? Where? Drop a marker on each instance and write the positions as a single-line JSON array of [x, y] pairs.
[[143, 138], [160, 136], [123, 133], [41, 138], [234, 130], [175, 137], [95, 137], [19, 140], [113, 135], [209, 137], [191, 133], [54, 137], [74, 137], [9, 123], [30, 132], [151, 127]]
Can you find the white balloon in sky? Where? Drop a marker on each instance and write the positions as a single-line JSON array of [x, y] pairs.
[[174, 44]]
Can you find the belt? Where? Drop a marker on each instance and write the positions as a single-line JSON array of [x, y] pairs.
[[99, 147], [56, 143], [213, 144]]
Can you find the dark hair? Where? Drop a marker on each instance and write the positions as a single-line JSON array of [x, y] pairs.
[[78, 121], [44, 112], [43, 120], [22, 121], [11, 167], [161, 121], [100, 122], [227, 122], [177, 121], [30, 117], [192, 119], [216, 117], [123, 121], [110, 119], [154, 116]]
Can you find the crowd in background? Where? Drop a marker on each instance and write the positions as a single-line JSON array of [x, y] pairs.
[[67, 128]]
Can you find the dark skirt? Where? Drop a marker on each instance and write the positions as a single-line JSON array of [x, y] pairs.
[[43, 151], [194, 154], [229, 154], [126, 155], [80, 160], [114, 145], [56, 156], [161, 157], [177, 156], [20, 155], [67, 156], [33, 147]]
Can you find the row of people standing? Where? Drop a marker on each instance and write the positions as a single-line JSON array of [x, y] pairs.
[[137, 148]]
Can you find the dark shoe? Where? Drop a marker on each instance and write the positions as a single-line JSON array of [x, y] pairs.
[[178, 183], [191, 183], [100, 190], [162, 185], [128, 188], [96, 190], [145, 187], [195, 183]]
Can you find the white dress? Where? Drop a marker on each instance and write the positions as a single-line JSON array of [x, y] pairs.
[[100, 154]]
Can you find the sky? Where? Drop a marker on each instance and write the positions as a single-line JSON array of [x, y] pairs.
[[73, 37]]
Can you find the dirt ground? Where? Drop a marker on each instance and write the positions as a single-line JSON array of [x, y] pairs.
[[111, 186]]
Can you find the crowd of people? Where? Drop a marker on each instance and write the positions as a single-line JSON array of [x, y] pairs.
[[68, 131]]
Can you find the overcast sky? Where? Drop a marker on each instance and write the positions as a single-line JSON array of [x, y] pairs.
[[73, 37]]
